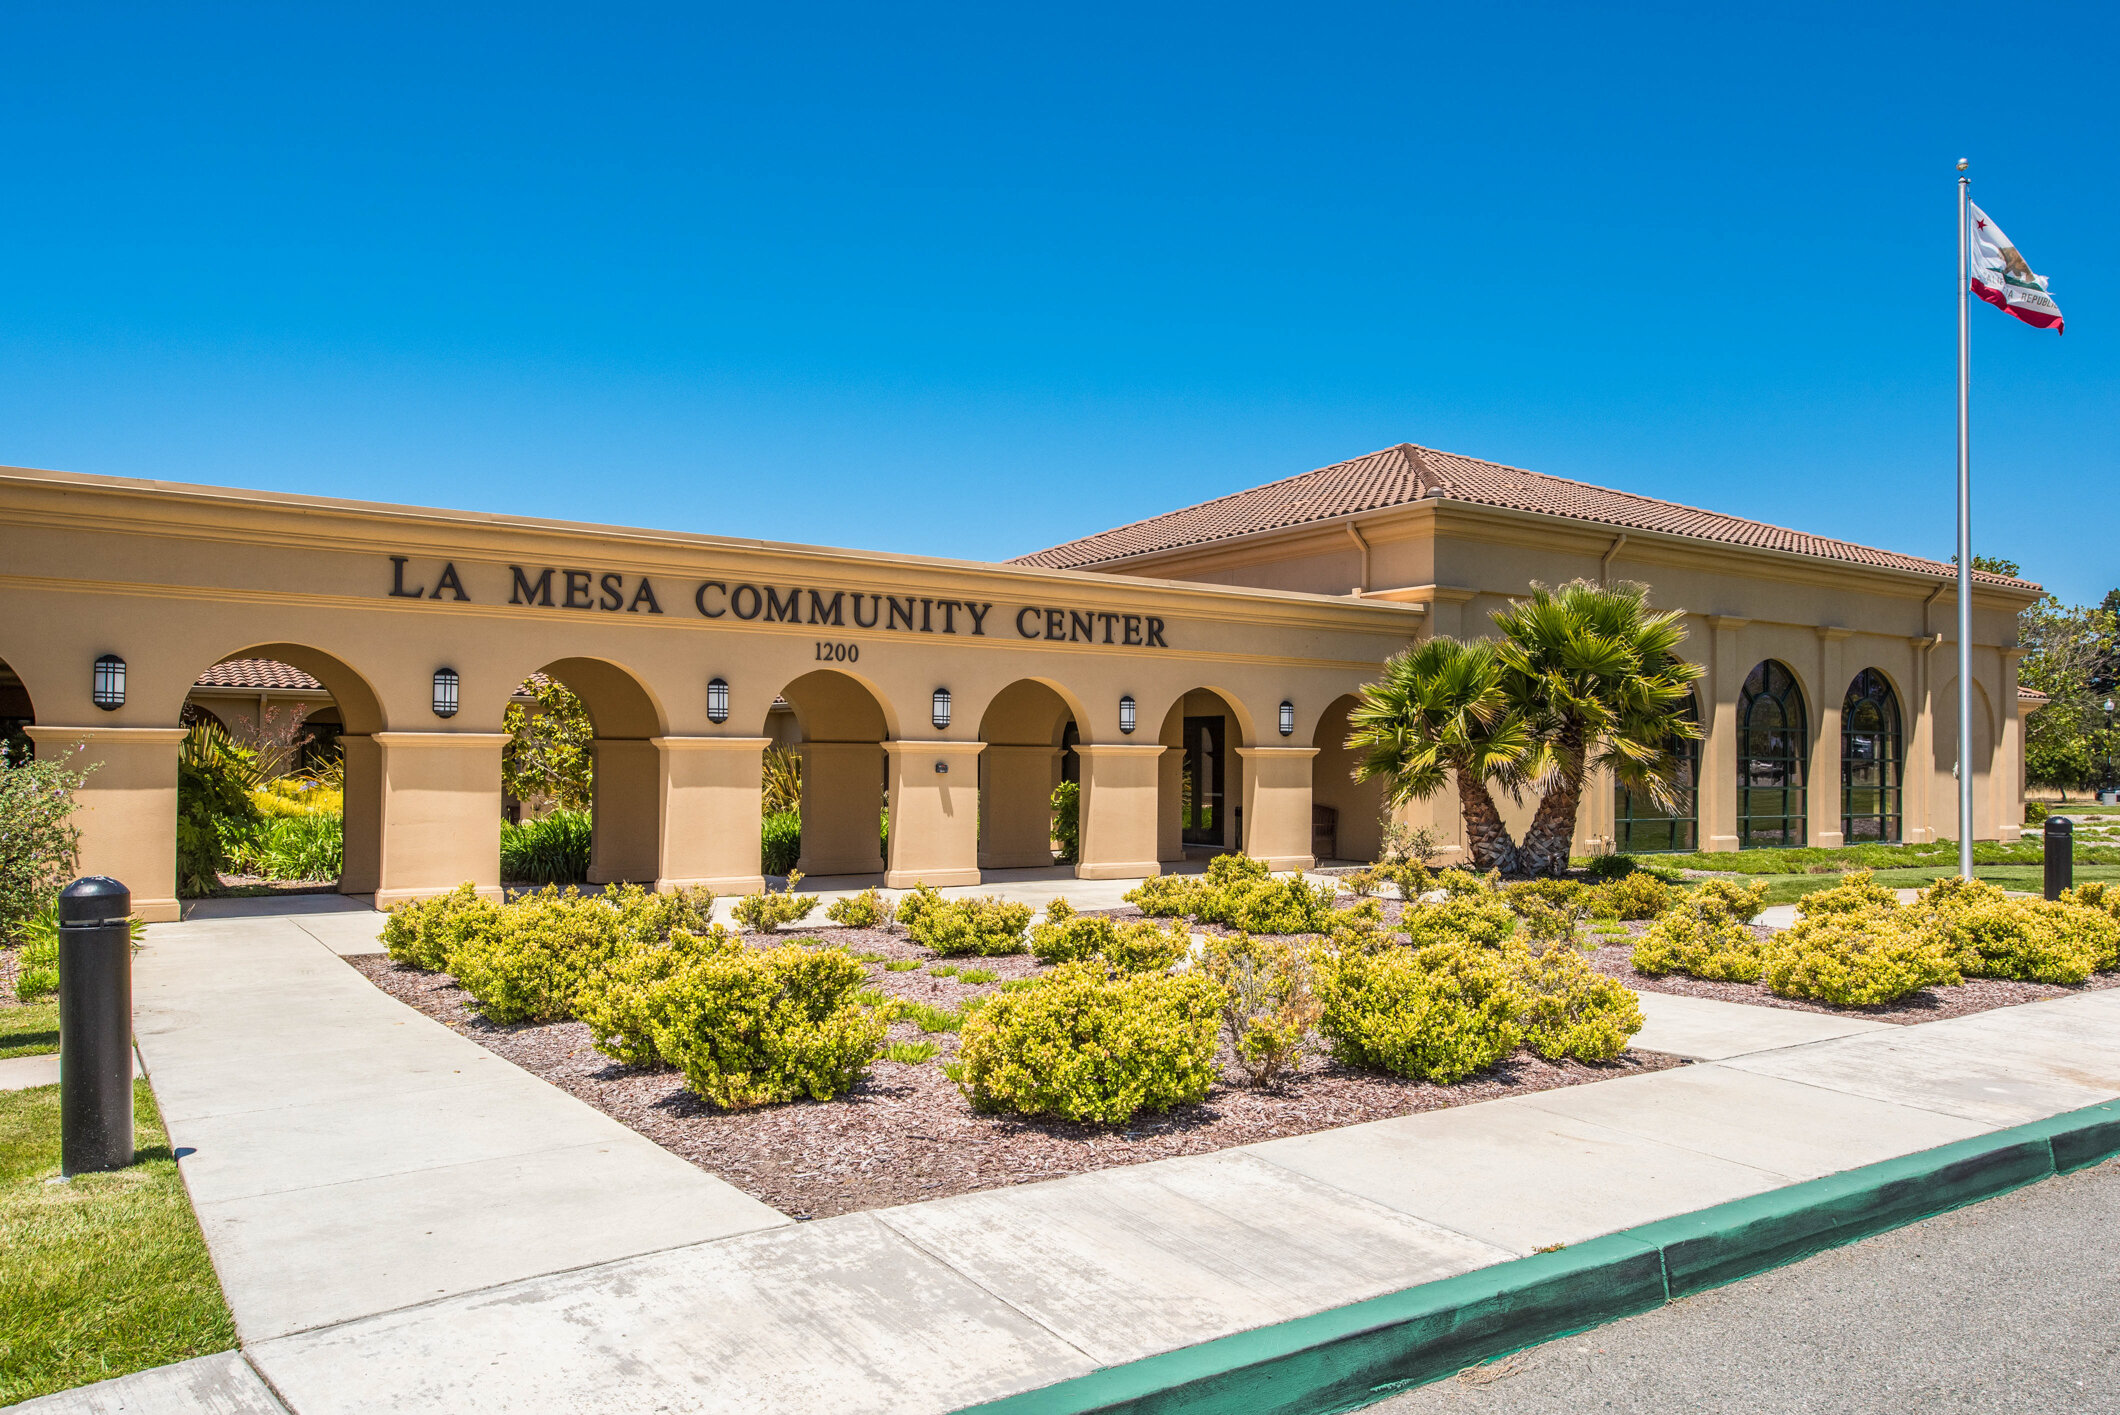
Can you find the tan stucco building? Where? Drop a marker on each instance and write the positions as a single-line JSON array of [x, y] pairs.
[[1194, 671]]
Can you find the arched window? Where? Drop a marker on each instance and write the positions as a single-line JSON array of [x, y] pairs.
[[1640, 826], [1870, 761], [1772, 744]]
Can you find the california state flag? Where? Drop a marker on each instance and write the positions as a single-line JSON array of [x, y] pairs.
[[2001, 277]]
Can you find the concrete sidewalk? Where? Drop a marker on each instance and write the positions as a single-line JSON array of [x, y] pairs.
[[364, 1278]]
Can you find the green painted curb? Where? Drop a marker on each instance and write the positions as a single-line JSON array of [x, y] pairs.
[[1350, 1356]]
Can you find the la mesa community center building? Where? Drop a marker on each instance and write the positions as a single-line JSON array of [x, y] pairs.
[[1193, 671]]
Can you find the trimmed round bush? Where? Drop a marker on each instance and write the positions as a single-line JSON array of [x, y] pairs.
[[1165, 896], [1572, 1010], [1742, 902], [751, 1027], [1857, 893], [1130, 948], [866, 910], [528, 963], [958, 928], [1482, 919], [622, 1002], [1434, 1014], [2032, 941], [425, 933], [1087, 1042], [1635, 895], [1701, 937], [1857, 957]]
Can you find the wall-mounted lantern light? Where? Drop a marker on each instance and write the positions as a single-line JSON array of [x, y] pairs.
[[108, 692], [942, 709], [1126, 714], [445, 682], [717, 700], [1288, 719], [942, 768]]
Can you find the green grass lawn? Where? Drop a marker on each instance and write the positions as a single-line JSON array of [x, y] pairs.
[[2027, 851], [1787, 889], [102, 1276], [29, 1030]]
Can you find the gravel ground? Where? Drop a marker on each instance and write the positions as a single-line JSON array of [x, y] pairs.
[[1613, 958], [906, 1133]]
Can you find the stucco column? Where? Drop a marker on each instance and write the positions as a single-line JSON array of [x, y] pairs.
[[842, 808], [626, 811], [1919, 781], [441, 809], [1016, 806], [1120, 792], [710, 813], [1170, 792], [1718, 753], [2006, 781], [126, 810], [934, 813], [1822, 787], [1277, 806], [361, 829]]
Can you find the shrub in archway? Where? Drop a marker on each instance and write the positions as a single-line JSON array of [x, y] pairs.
[[751, 1027], [1089, 1042], [42, 843], [552, 849]]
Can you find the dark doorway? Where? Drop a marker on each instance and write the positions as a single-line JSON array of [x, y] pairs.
[[1204, 775]]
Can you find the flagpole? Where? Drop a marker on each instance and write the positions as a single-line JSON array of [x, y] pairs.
[[1965, 537]]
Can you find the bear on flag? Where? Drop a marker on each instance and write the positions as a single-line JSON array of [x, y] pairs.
[[2002, 278]]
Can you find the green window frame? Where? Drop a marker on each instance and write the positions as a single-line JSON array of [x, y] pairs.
[[1640, 827], [1773, 747], [1872, 764]]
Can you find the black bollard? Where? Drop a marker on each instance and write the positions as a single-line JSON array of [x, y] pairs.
[[95, 1026], [2059, 842]]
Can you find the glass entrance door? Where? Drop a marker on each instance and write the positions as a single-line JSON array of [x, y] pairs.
[[1203, 781]]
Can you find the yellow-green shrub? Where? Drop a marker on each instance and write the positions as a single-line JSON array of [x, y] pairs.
[[1637, 895], [1742, 902], [1131, 948], [1262, 904], [426, 932], [1857, 893], [866, 910], [1860, 957], [1570, 1009], [1365, 883], [1228, 869], [1087, 1042], [767, 910], [752, 1027], [2096, 895], [1700, 935], [1165, 896], [1437, 1014], [532, 958], [1268, 1007], [621, 1002], [2030, 940], [959, 927], [1482, 919], [1455, 882]]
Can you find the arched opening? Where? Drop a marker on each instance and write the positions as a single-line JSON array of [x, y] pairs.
[[1028, 729], [581, 777], [278, 783], [845, 789], [1201, 788], [1871, 761], [17, 716], [1943, 813], [1347, 816], [1642, 827], [1773, 746]]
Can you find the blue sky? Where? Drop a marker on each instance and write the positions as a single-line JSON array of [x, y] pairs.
[[973, 281]]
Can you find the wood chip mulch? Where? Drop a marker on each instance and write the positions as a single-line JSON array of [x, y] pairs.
[[906, 1133], [1614, 958]]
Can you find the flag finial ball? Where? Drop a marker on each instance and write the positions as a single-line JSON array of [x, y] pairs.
[[1962, 164]]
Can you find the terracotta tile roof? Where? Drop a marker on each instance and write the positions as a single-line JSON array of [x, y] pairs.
[[1397, 476], [2032, 695], [255, 673]]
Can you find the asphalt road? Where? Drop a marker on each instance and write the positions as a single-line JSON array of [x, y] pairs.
[[2010, 1305]]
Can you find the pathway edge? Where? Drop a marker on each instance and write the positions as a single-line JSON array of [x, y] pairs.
[[1350, 1356]]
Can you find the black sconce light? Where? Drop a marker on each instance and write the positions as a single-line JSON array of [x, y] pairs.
[[717, 700], [445, 683], [1288, 718], [108, 692], [1126, 714], [942, 709]]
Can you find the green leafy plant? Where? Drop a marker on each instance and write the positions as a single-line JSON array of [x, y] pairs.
[[528, 963], [780, 782], [973, 977], [1165, 896], [1268, 1005], [959, 927], [1702, 935], [551, 849], [1067, 819], [1553, 910], [767, 910], [1089, 1043], [37, 966], [1434, 1014], [866, 910], [1570, 1009], [1859, 956], [549, 759], [901, 965], [910, 1053], [39, 843], [624, 1003], [751, 1027], [1857, 893], [215, 815], [1068, 937], [780, 843], [930, 1018], [1635, 894], [425, 933], [1482, 920], [300, 846]]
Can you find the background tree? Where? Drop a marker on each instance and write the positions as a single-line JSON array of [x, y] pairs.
[[2072, 654], [548, 762]]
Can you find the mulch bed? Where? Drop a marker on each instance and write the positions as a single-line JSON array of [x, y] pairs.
[[1614, 958], [906, 1133]]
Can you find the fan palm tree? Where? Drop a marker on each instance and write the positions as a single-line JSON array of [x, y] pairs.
[[1597, 677], [1443, 711]]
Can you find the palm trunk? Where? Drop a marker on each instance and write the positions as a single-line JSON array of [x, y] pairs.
[[1552, 832], [1485, 836]]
